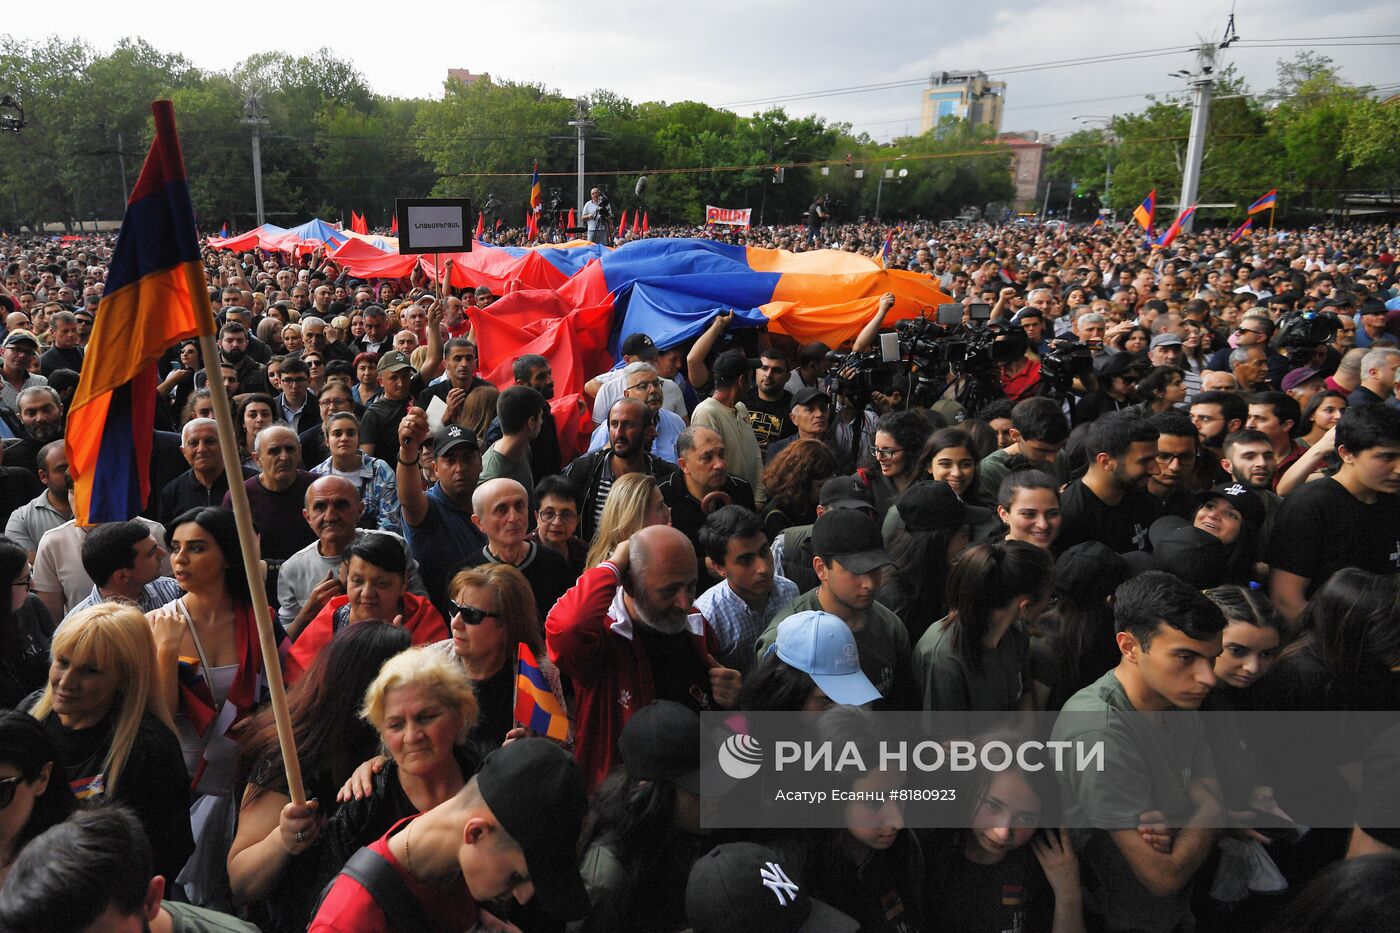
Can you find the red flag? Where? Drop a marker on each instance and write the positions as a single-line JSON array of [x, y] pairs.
[[646, 225], [622, 225], [480, 225], [636, 224], [499, 221], [358, 223], [394, 225], [571, 218]]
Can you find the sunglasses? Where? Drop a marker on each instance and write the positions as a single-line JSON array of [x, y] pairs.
[[470, 614], [7, 790]]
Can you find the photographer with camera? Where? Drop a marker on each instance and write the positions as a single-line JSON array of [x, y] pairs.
[[596, 214]]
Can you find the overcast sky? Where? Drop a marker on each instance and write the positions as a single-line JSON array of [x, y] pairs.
[[724, 52]]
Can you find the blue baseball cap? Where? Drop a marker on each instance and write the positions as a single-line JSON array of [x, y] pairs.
[[821, 645]]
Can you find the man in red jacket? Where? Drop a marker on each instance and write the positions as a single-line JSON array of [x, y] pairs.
[[627, 634]]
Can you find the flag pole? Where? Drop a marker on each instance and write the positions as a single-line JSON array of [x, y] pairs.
[[243, 516], [1271, 216]]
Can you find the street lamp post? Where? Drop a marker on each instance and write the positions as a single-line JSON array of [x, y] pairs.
[[880, 186], [1107, 122]]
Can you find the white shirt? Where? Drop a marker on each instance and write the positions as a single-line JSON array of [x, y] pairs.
[[58, 564], [671, 398]]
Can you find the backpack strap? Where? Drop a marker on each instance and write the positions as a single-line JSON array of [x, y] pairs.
[[373, 872]]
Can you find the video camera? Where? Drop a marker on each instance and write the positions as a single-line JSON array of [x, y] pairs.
[[1305, 330]]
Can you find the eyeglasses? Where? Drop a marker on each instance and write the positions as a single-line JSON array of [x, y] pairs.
[[649, 384], [7, 790], [885, 453], [551, 516], [470, 614]]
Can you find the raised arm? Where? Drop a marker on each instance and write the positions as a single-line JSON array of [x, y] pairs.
[[870, 332], [695, 369], [413, 498]]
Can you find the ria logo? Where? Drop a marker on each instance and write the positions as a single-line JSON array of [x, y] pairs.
[[740, 756]]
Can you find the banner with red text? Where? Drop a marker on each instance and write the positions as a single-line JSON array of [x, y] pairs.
[[730, 216]]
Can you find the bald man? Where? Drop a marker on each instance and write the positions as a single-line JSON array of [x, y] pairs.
[[501, 511], [627, 634]]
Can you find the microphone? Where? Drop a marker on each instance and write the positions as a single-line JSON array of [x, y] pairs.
[[641, 188]]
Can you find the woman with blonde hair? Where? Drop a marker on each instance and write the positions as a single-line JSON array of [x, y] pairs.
[[492, 614], [423, 706], [112, 727], [291, 338], [634, 503]]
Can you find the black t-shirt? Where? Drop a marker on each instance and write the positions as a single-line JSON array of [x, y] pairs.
[[770, 420], [380, 427], [1122, 527], [973, 898], [546, 570], [1322, 528], [677, 672], [440, 390]]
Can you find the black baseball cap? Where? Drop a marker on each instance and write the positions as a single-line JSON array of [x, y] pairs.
[[535, 790], [846, 492], [809, 394], [639, 345], [743, 887], [453, 435], [1244, 499], [1090, 571], [1180, 548], [932, 505], [852, 538], [661, 742]]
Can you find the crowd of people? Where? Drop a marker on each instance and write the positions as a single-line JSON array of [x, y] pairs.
[[1203, 515]]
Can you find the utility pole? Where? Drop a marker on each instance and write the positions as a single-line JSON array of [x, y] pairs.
[[1045, 207], [254, 118], [581, 124], [121, 162], [1202, 83]]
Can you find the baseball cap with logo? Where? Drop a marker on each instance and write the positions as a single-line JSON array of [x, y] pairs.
[[821, 645], [1245, 500], [392, 362], [639, 345], [851, 538], [453, 435], [743, 887]]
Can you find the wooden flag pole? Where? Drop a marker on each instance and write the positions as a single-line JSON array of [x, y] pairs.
[[248, 544], [1271, 216]]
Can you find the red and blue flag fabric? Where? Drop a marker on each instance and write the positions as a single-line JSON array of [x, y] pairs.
[[536, 197], [156, 295], [1267, 203], [536, 706], [1241, 230], [1169, 234]]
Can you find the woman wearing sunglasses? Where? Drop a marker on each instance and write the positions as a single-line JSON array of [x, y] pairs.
[[492, 614], [32, 796], [375, 570]]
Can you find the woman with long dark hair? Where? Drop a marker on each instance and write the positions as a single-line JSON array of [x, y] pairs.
[[1321, 414], [268, 862], [899, 437], [25, 629], [253, 413], [209, 671], [1072, 643], [934, 532], [644, 834], [34, 792], [975, 658]]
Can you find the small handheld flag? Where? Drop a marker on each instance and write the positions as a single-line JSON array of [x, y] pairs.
[[394, 225], [480, 225], [622, 225], [1144, 211], [223, 231], [1240, 231], [889, 244], [571, 218], [636, 224], [156, 296], [1170, 233], [1267, 203], [536, 706]]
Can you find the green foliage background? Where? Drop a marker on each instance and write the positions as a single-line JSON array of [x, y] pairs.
[[331, 145]]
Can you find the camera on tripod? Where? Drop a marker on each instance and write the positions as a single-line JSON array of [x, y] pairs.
[[1306, 330]]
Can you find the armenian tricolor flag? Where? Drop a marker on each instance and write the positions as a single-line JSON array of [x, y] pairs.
[[536, 197], [156, 295], [1267, 203], [889, 245], [1240, 231], [1170, 233], [1144, 211], [223, 231], [536, 706]]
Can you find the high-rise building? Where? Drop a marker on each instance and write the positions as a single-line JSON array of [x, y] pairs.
[[967, 95]]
